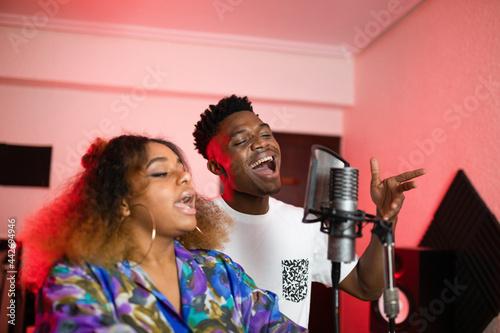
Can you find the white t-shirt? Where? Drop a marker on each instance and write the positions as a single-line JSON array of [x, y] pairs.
[[282, 254]]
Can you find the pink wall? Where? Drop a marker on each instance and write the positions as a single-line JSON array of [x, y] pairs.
[[427, 95]]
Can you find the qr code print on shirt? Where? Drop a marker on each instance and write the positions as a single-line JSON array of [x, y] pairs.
[[294, 277]]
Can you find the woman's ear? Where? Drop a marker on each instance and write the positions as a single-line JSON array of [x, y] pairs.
[[125, 208], [215, 167]]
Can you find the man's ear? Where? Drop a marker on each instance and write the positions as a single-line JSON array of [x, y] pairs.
[[215, 167], [125, 208]]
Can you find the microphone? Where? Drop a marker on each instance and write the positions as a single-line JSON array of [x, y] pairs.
[[344, 202]]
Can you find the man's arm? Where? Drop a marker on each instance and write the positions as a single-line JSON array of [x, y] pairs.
[[366, 280]]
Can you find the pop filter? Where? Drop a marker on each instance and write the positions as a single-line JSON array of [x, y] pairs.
[[318, 181]]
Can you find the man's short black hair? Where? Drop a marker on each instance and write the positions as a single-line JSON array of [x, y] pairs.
[[208, 126]]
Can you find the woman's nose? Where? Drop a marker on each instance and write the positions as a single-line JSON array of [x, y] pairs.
[[185, 177]]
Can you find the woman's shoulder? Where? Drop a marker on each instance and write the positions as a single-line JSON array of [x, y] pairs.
[[74, 278], [214, 258], [203, 255], [66, 271], [65, 268]]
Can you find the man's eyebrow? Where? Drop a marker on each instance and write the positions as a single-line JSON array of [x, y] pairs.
[[244, 130], [265, 125], [237, 133]]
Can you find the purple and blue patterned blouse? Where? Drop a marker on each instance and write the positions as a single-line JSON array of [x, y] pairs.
[[217, 296]]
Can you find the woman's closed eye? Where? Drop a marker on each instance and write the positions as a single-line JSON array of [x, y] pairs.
[[158, 174]]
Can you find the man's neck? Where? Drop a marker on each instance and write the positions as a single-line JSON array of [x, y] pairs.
[[246, 203]]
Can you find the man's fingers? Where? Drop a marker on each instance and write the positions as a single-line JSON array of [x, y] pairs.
[[375, 170], [410, 175], [408, 186]]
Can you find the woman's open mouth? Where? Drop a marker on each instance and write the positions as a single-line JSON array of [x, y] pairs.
[[187, 203]]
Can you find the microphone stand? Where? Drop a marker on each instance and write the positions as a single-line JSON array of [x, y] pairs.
[[328, 219], [335, 286], [383, 229]]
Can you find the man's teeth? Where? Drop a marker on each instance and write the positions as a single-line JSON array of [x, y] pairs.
[[262, 160]]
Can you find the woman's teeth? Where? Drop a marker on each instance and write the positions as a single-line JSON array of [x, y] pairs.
[[186, 205]]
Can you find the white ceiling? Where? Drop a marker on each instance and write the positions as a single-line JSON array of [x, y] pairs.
[[332, 23]]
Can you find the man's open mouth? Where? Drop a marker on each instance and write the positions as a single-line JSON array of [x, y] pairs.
[[265, 163]]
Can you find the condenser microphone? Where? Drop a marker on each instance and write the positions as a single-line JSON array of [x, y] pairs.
[[343, 204]]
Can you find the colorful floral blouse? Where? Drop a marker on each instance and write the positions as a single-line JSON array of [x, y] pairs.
[[217, 296]]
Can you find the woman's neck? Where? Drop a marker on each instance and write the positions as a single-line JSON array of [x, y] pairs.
[[158, 254], [161, 266]]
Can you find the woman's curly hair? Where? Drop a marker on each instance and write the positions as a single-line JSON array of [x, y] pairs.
[[208, 126], [84, 223], [214, 226]]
